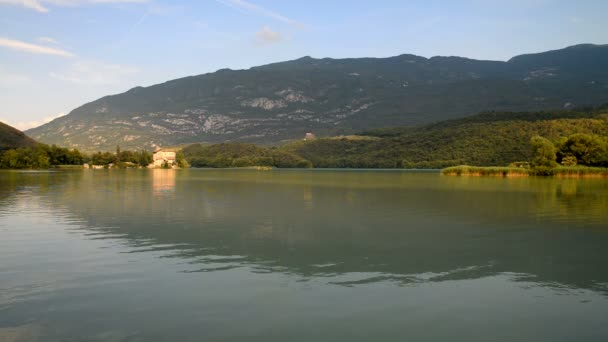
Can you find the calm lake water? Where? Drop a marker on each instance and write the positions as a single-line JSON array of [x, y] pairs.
[[308, 255]]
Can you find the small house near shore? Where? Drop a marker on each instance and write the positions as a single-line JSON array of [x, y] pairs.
[[163, 157]]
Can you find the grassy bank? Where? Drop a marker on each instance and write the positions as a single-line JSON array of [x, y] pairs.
[[497, 171], [581, 171], [465, 170]]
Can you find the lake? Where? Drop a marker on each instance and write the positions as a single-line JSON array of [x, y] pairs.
[[301, 255]]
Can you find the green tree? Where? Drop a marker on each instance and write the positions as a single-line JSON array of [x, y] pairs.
[[180, 159], [588, 149], [569, 160], [544, 152], [283, 159], [103, 158], [144, 158], [9, 160]]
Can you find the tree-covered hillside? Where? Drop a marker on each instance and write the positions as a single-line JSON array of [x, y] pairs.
[[496, 138], [283, 101], [493, 138], [13, 138], [241, 155]]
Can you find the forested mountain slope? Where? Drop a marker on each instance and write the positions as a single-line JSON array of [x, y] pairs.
[[11, 137], [494, 138], [282, 101]]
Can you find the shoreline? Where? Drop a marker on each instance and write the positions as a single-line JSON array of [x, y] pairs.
[[497, 171]]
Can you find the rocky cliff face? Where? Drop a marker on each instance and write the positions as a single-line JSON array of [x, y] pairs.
[[285, 100]]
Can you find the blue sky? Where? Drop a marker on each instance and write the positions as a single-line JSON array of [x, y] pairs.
[[56, 55]]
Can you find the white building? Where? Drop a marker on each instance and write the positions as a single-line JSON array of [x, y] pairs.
[[160, 157]]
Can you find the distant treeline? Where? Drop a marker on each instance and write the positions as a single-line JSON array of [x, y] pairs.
[[41, 156], [121, 159], [241, 155]]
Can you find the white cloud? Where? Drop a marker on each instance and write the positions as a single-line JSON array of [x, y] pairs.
[[31, 4], [266, 36], [25, 125], [246, 6], [42, 5], [94, 73], [32, 48], [48, 40]]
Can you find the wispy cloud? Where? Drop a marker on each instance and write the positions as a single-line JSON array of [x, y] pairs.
[[25, 125], [42, 5], [266, 36], [31, 4], [48, 40], [94, 73], [33, 48], [247, 6]]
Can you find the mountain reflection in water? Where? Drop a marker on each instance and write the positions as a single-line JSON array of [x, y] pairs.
[[343, 229], [327, 223]]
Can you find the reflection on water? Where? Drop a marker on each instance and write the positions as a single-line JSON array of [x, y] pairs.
[[163, 181], [300, 255]]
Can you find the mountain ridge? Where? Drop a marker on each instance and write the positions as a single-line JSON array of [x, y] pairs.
[[281, 101]]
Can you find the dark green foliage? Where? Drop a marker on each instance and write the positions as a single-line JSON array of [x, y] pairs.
[[282, 159], [349, 153], [180, 159], [136, 158], [17, 151], [585, 149], [122, 159], [241, 155], [39, 157], [542, 170], [103, 158], [543, 151], [227, 155], [568, 160], [11, 138], [143, 158], [25, 158], [64, 156], [484, 140]]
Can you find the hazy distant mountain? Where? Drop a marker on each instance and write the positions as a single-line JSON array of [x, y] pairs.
[[13, 138], [328, 96]]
